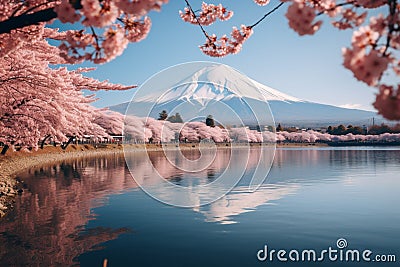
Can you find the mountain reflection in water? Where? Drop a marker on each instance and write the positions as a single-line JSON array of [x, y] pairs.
[[50, 223]]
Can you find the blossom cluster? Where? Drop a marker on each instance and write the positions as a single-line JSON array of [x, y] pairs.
[[109, 25], [388, 102], [37, 100], [301, 18], [223, 46], [262, 2], [374, 47], [119, 21], [208, 15]]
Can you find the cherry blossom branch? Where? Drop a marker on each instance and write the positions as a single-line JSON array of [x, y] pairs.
[[96, 38], [197, 20], [336, 6], [220, 47], [21, 21], [267, 14], [17, 9], [392, 11], [35, 7]]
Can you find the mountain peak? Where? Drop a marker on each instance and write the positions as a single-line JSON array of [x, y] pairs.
[[215, 82], [199, 89]]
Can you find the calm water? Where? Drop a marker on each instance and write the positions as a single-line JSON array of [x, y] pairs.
[[84, 211]]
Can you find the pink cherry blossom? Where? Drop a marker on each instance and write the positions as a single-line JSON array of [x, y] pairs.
[[208, 15], [221, 47], [137, 30], [301, 17], [262, 2], [113, 45], [99, 15], [388, 102], [371, 3], [378, 24], [37, 100], [366, 67], [349, 19], [105, 27], [66, 13]]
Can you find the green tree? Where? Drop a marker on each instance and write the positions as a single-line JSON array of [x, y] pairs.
[[357, 130], [340, 130], [163, 115], [210, 121], [279, 128], [175, 118], [379, 129], [349, 129]]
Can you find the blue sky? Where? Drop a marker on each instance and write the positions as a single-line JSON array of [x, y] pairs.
[[307, 67]]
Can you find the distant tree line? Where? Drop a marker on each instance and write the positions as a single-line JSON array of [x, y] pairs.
[[373, 130], [343, 130], [290, 129]]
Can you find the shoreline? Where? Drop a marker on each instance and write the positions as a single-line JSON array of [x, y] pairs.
[[15, 162]]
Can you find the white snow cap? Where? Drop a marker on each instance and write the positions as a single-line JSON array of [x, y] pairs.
[[216, 82]]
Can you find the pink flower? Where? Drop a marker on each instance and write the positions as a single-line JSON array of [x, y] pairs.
[[365, 67], [99, 15], [208, 15], [114, 44], [137, 30], [139, 8], [388, 102], [371, 3], [378, 24], [301, 18], [349, 19], [364, 37], [79, 39], [262, 2], [66, 13], [221, 47]]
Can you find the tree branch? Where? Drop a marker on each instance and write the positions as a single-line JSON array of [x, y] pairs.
[[198, 22], [336, 6], [392, 11], [26, 20], [266, 15]]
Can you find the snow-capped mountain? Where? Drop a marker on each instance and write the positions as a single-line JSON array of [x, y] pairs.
[[229, 96]]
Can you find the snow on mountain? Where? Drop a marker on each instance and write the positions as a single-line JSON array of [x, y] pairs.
[[216, 82], [221, 91]]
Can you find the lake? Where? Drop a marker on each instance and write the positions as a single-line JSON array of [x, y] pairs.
[[83, 211]]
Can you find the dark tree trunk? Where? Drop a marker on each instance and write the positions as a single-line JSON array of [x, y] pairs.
[[44, 141], [4, 150], [23, 20], [27, 19], [64, 146]]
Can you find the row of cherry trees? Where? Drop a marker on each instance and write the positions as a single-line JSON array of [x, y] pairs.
[[37, 99]]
